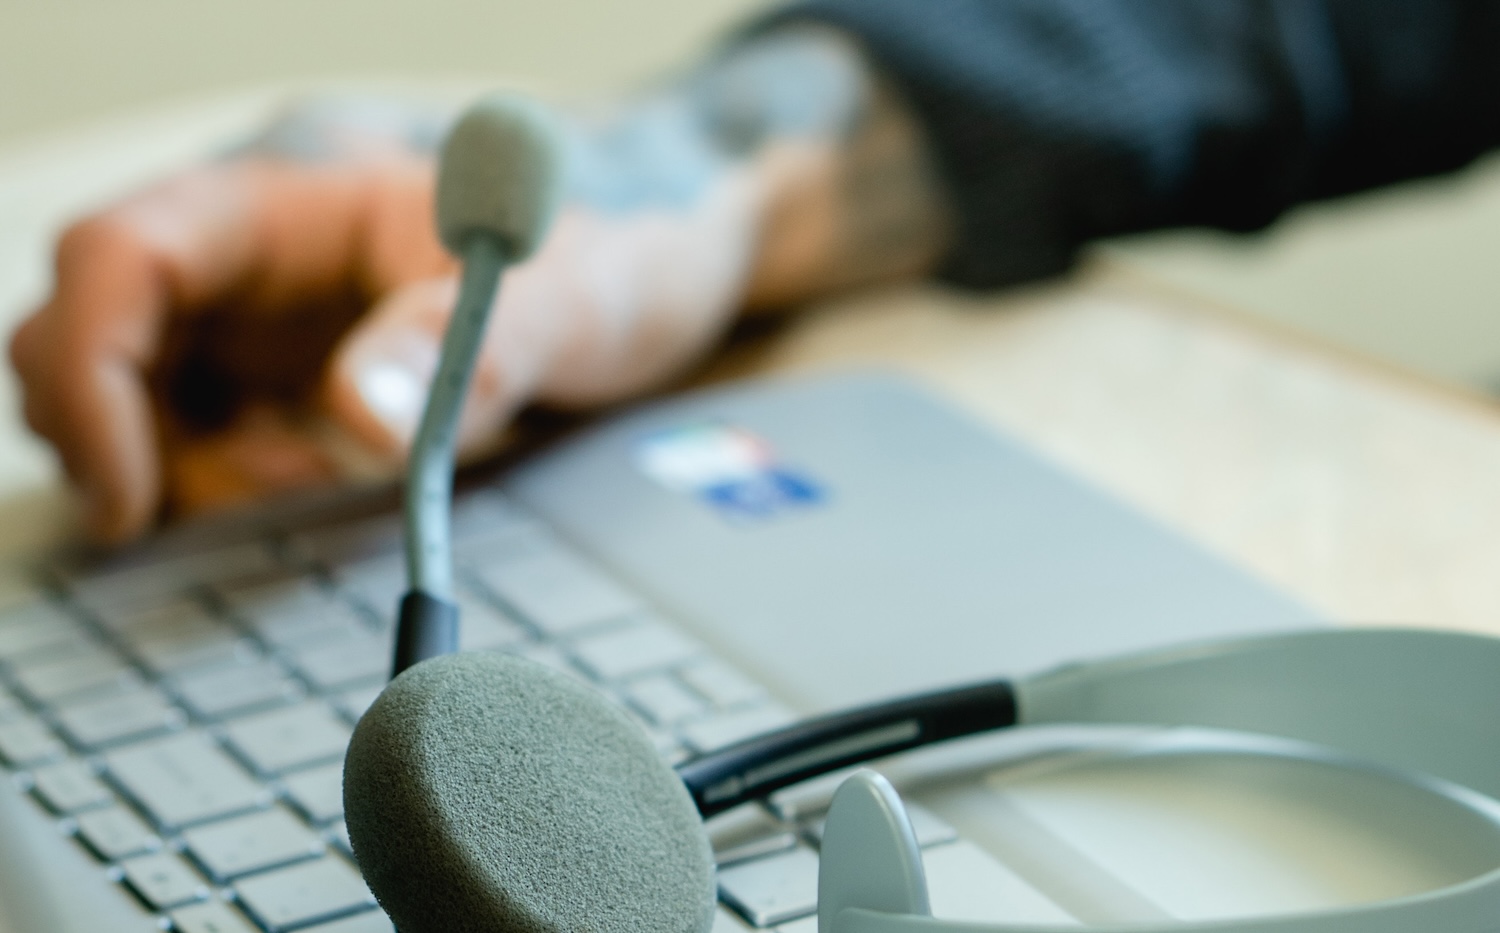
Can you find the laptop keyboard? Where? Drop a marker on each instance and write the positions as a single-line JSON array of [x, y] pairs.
[[186, 720]]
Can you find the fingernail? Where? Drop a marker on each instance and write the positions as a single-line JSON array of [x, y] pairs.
[[394, 392]]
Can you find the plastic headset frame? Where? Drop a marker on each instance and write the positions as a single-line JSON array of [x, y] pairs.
[[1417, 703]]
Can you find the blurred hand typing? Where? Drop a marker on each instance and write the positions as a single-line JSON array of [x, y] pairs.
[[270, 321]]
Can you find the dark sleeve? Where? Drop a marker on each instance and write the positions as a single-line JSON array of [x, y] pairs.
[[1058, 121]]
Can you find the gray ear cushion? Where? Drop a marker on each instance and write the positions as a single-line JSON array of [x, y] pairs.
[[487, 793]]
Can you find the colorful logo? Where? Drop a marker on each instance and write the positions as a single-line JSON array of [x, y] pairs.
[[728, 468]]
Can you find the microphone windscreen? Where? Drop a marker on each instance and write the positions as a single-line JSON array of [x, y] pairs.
[[500, 173], [486, 793]]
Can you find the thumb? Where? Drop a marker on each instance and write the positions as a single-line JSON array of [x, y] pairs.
[[376, 386]]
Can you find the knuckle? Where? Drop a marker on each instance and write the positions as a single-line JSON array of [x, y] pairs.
[[104, 233], [22, 348]]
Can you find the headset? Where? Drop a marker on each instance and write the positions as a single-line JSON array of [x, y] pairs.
[[485, 792]]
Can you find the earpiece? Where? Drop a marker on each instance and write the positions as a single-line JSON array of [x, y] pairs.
[[491, 794]]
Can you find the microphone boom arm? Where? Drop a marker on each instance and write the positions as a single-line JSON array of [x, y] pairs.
[[428, 622]]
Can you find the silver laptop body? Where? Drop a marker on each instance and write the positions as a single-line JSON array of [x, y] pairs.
[[720, 563]]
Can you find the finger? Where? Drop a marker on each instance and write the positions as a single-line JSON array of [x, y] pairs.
[[120, 275], [91, 404], [605, 308], [377, 383], [272, 237]]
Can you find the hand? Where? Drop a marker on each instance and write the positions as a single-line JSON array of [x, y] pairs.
[[237, 330]]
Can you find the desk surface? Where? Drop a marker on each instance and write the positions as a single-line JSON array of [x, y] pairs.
[[1367, 492]]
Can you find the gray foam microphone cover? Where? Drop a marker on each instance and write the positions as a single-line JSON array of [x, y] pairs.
[[488, 793], [500, 173]]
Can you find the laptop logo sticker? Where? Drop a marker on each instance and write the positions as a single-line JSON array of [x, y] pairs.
[[727, 468]]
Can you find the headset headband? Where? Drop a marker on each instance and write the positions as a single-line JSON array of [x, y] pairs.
[[1421, 702]]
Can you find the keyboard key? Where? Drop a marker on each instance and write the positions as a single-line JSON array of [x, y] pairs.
[[185, 779], [482, 627], [222, 691], [638, 648], [168, 577], [670, 750], [36, 628], [304, 893], [338, 834], [318, 792], [34, 608], [524, 537], [295, 612], [211, 917], [25, 740], [134, 713], [377, 584], [70, 786], [282, 739], [163, 879], [664, 700], [555, 591], [480, 517], [38, 645], [353, 703], [206, 650], [245, 844], [331, 665], [372, 921], [86, 668], [747, 832], [348, 542], [773, 889], [115, 833], [547, 656], [156, 617], [722, 685], [710, 734], [336, 622], [183, 636]]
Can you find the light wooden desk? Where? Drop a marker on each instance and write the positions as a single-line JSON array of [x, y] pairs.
[[1372, 495]]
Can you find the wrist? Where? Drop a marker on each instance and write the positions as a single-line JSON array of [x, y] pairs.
[[848, 192]]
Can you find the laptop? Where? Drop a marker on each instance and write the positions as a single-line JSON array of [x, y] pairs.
[[719, 564]]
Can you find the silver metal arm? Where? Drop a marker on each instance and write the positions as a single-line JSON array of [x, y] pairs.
[[429, 482]]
